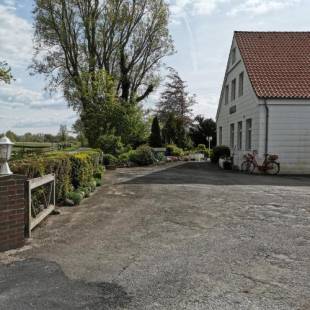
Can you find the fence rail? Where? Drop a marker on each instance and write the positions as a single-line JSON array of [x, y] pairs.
[[34, 217]]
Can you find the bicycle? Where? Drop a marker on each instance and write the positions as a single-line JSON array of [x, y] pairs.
[[270, 165]]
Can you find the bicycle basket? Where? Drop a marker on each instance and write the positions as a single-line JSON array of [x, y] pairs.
[[273, 157]]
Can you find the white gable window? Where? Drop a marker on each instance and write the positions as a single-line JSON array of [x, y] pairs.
[[239, 137], [233, 90], [249, 134], [233, 56], [226, 94], [241, 82], [232, 135], [220, 135]]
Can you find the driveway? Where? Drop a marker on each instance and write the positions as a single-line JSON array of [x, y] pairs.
[[181, 236]]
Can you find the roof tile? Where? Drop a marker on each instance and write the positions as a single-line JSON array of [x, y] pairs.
[[278, 63]]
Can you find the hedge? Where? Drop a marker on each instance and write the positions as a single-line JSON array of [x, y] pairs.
[[71, 170]]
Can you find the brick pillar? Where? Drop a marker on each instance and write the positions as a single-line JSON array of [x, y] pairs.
[[12, 212]]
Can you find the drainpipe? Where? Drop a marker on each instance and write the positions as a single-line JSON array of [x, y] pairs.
[[267, 127]]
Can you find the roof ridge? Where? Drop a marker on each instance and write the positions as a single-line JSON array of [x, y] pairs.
[[240, 31]]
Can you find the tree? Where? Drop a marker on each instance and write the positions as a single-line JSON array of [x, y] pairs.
[[170, 129], [63, 133], [87, 42], [175, 100], [155, 138], [5, 73], [12, 136], [201, 129]]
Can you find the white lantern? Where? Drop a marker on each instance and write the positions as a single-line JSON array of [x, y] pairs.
[[5, 153]]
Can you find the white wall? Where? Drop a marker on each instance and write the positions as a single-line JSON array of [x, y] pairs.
[[289, 134], [247, 107]]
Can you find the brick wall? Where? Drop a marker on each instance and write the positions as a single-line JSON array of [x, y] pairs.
[[12, 212]]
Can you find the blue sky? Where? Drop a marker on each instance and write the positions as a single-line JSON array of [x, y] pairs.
[[202, 31]]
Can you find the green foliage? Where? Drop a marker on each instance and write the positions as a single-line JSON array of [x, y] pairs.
[[111, 144], [155, 138], [142, 156], [98, 182], [124, 158], [202, 129], [5, 73], [109, 160], [126, 38], [71, 170], [173, 150], [201, 148], [75, 196], [220, 151]]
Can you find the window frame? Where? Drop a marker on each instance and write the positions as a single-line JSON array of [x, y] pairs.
[[239, 135], [241, 84], [232, 135], [220, 135], [226, 99], [233, 90], [249, 134], [233, 56]]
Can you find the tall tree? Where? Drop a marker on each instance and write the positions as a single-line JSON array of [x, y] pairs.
[[5, 73], [175, 99], [125, 38], [201, 129], [63, 133], [155, 138], [99, 50]]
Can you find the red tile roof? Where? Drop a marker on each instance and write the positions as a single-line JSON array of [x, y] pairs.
[[278, 63]]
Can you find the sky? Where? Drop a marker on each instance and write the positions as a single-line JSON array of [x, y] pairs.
[[202, 31]]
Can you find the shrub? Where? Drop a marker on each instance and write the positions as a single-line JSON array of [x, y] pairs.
[[98, 182], [173, 150], [75, 196], [218, 152], [124, 158], [71, 170], [109, 160], [201, 148], [111, 144], [142, 156]]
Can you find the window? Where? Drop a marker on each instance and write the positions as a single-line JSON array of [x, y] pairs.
[[232, 135], [239, 142], [220, 135], [241, 81], [233, 56], [233, 90], [249, 134], [226, 94]]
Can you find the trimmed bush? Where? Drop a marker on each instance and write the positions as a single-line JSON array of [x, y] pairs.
[[71, 170], [142, 156], [124, 158], [76, 197], [173, 150], [109, 160], [111, 144], [201, 148], [218, 152]]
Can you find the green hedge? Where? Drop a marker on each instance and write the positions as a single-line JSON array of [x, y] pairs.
[[71, 170], [218, 152]]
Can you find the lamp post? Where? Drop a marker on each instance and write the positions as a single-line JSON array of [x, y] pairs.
[[5, 153], [209, 140]]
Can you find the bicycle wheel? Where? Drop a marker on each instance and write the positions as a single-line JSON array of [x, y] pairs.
[[247, 167], [273, 168]]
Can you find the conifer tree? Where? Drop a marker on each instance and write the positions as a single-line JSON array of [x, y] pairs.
[[155, 138]]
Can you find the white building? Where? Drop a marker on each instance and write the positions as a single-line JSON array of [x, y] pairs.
[[265, 100]]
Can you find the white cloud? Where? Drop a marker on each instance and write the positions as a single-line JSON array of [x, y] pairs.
[[16, 96], [15, 36], [194, 7], [258, 7]]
